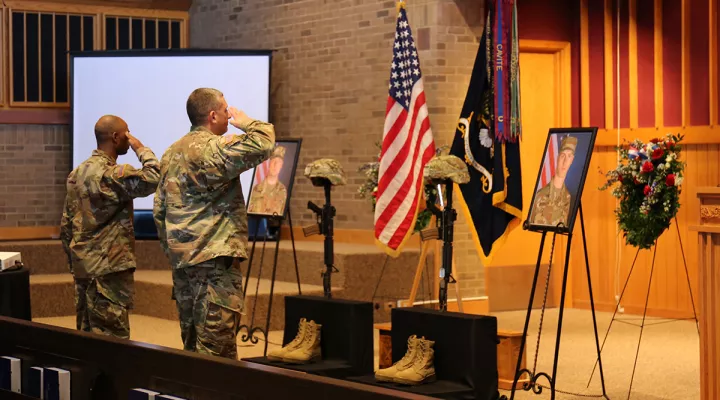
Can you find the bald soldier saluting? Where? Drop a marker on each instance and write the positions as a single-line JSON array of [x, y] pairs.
[[97, 229]]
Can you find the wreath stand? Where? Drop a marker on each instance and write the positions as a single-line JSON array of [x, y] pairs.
[[532, 384], [274, 221], [647, 298]]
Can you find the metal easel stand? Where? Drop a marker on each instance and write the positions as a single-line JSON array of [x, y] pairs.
[[647, 298], [251, 330], [533, 384]]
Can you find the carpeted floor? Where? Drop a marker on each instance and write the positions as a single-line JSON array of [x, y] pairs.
[[667, 366]]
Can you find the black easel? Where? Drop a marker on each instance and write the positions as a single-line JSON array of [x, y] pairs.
[[324, 226], [276, 220], [647, 299], [446, 218], [534, 376]]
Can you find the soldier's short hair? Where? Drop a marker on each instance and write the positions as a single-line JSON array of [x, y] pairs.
[[200, 102], [106, 125]]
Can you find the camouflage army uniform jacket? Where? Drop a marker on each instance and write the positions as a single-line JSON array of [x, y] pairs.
[[199, 208], [266, 199], [96, 227], [551, 206]]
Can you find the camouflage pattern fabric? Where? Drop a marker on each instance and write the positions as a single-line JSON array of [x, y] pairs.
[[199, 209], [268, 199], [552, 206], [325, 168], [447, 167], [102, 304], [209, 302], [96, 227]]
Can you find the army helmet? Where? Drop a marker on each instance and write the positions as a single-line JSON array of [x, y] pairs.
[[440, 169], [325, 169]]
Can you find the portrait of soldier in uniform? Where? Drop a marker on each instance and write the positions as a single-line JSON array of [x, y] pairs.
[[553, 201], [268, 197]]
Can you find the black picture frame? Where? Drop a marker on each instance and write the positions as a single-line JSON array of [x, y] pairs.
[[575, 177], [286, 177]]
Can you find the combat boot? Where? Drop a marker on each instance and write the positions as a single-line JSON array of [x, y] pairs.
[[278, 354], [309, 350], [387, 374], [422, 369]]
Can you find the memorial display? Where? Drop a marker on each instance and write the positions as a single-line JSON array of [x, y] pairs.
[[304, 348], [649, 177], [561, 178], [272, 183], [325, 173]]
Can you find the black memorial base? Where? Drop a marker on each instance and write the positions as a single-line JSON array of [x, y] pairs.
[[346, 335], [15, 294], [465, 352], [330, 368]]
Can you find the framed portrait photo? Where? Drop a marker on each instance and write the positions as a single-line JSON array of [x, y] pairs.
[[273, 180], [561, 178]]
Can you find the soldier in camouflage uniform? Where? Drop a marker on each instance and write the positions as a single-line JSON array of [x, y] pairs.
[[97, 229], [552, 202], [268, 197], [200, 215]]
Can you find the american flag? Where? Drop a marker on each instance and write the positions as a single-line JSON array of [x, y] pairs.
[[407, 144], [548, 168], [261, 172]]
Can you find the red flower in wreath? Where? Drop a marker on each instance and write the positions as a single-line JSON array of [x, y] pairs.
[[620, 178], [670, 180], [669, 144], [647, 167], [646, 190], [657, 154], [654, 140]]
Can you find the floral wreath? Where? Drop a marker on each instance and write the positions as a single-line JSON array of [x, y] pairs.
[[650, 177]]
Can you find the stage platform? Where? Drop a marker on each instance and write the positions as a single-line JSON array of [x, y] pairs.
[[52, 291]]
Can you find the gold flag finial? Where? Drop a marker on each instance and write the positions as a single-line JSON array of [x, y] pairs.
[[400, 4]]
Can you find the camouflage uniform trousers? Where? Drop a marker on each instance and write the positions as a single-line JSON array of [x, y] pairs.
[[209, 302], [102, 304]]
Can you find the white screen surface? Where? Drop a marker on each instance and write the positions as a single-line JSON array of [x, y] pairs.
[[150, 93]]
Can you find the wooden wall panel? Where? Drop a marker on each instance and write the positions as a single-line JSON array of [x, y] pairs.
[[699, 89], [668, 54], [672, 61], [645, 63]]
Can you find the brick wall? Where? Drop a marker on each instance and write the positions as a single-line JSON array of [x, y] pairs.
[[329, 80], [34, 162], [329, 83]]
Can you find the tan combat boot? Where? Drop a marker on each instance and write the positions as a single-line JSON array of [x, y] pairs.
[[422, 369], [278, 354], [309, 349], [388, 374]]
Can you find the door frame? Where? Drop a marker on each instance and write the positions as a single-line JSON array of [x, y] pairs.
[[562, 97]]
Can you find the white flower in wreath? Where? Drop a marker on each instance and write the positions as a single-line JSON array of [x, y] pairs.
[[485, 139], [678, 180]]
